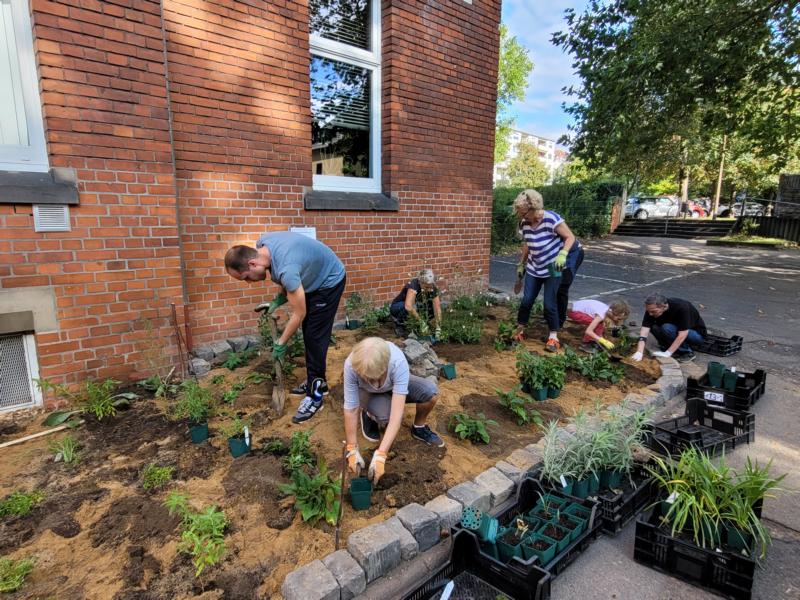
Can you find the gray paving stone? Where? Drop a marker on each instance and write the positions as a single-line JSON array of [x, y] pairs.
[[522, 459], [448, 510], [347, 572], [500, 487], [509, 470], [422, 523], [238, 343], [220, 350], [409, 547], [376, 548], [254, 340], [199, 367], [311, 582], [470, 493]]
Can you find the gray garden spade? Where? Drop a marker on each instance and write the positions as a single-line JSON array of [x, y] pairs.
[[278, 390]]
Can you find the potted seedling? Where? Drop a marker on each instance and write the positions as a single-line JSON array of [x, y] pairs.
[[557, 467], [561, 535], [530, 369], [553, 375], [238, 434], [540, 546], [194, 404], [354, 307], [510, 539]]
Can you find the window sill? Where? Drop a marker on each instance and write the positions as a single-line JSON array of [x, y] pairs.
[[329, 200], [58, 186]]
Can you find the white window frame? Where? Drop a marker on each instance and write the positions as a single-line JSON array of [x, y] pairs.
[[330, 49], [34, 156]]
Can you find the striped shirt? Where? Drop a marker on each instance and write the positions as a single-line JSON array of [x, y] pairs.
[[543, 242]]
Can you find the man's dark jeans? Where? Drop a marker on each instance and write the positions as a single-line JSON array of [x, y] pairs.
[[665, 334], [321, 307], [574, 261]]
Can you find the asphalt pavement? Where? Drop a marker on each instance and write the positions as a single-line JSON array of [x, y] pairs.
[[747, 292]]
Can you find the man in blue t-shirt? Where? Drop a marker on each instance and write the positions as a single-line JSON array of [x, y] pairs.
[[312, 279]]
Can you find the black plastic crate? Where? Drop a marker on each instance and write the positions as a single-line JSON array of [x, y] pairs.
[[617, 509], [719, 345], [749, 388], [480, 577], [726, 573], [709, 428]]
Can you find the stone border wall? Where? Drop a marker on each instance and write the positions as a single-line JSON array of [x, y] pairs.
[[378, 549]]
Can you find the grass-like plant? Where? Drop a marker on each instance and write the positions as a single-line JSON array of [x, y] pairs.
[[154, 477], [315, 496], [19, 504], [555, 461], [93, 397], [235, 428], [471, 428], [65, 450], [300, 454], [13, 573], [194, 403], [519, 406], [202, 532]]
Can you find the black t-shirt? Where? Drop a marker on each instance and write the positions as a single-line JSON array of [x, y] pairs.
[[680, 313], [415, 285]]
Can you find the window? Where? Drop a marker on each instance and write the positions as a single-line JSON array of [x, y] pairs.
[[22, 146], [345, 76], [18, 370]]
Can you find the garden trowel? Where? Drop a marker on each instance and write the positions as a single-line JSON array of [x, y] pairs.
[[278, 390]]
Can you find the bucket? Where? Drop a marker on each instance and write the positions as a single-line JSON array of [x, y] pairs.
[[360, 493]]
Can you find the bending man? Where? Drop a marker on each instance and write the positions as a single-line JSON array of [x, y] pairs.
[[676, 324]]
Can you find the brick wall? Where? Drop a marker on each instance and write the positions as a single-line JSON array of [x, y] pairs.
[[148, 232]]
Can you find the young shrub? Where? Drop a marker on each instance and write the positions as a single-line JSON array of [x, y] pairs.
[[235, 360], [19, 504], [161, 387], [530, 369], [65, 450], [154, 477], [518, 405], [472, 429], [461, 327], [235, 428], [202, 533], [195, 402], [315, 496], [553, 372], [300, 454], [13, 573], [505, 332], [94, 397]]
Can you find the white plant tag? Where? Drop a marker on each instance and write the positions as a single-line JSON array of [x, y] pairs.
[[563, 481], [672, 497], [733, 369], [714, 397], [246, 436]]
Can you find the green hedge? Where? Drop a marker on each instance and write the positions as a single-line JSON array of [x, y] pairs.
[[586, 207]]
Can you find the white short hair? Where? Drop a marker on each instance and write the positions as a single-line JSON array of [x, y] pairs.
[[426, 276], [370, 358]]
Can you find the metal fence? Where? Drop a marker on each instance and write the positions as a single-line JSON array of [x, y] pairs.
[[785, 228]]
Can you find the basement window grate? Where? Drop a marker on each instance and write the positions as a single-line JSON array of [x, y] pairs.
[[18, 369]]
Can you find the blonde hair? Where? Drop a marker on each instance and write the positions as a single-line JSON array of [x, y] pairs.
[[370, 358], [528, 200], [618, 311]]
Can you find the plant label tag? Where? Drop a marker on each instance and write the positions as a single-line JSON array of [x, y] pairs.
[[563, 481], [672, 497], [714, 397], [733, 369], [246, 436]]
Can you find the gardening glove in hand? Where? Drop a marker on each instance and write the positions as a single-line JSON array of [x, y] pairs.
[[437, 332], [664, 354], [355, 462], [279, 352], [520, 271], [377, 466], [605, 343], [637, 356], [276, 302], [561, 261]]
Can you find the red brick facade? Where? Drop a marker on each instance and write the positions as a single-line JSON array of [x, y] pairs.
[[159, 205]]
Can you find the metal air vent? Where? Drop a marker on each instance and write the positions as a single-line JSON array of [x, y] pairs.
[[51, 217]]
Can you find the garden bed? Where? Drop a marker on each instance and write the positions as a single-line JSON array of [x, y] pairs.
[[98, 513]]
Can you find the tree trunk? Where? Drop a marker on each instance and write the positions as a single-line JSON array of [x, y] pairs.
[[684, 175], [715, 204]]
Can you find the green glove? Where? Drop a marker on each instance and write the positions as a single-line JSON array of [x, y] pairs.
[[279, 300], [560, 261], [424, 329], [279, 352], [520, 270], [438, 332]]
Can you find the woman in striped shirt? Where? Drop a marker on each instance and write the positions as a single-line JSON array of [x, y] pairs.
[[550, 258]]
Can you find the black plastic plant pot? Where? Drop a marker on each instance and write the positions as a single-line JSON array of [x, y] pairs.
[[353, 324], [238, 446], [448, 371], [198, 432], [539, 546], [553, 393], [561, 535], [594, 483], [580, 489], [360, 493]]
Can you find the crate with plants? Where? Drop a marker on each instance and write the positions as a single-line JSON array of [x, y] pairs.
[[705, 528], [709, 428], [728, 387]]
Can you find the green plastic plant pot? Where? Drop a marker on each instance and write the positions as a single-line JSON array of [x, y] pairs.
[[578, 525], [198, 432], [563, 542], [488, 528], [448, 371], [729, 381], [427, 338], [238, 446], [540, 514], [715, 371], [610, 478], [360, 493], [605, 474], [506, 550], [539, 394], [737, 539], [552, 500], [551, 269], [490, 549], [353, 324], [553, 393], [579, 510], [594, 483], [580, 489], [545, 555]]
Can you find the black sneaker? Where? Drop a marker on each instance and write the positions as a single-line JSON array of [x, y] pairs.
[[684, 356], [302, 389], [370, 428], [425, 434], [311, 404]]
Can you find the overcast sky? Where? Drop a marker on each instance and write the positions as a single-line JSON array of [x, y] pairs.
[[533, 22]]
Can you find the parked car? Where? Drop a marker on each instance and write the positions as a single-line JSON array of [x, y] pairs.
[[751, 209], [696, 208], [647, 207]]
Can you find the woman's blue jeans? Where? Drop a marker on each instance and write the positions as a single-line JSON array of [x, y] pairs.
[[532, 286]]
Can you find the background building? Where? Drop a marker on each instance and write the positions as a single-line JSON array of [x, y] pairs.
[[552, 156]]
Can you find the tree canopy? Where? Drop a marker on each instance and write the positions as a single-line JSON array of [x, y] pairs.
[[512, 78], [525, 169]]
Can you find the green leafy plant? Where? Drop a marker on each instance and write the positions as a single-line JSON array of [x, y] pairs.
[[202, 533], [236, 427], [231, 395], [518, 405], [65, 450], [161, 387], [418, 325], [234, 360], [256, 378], [356, 305], [275, 446], [374, 317], [300, 454], [217, 379], [472, 429], [94, 397], [315, 496], [19, 504], [461, 326], [194, 403], [553, 372], [13, 573], [154, 477], [595, 367], [504, 338], [530, 369]]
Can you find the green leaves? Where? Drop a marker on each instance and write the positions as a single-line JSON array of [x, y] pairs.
[[469, 428], [19, 504], [525, 169], [316, 496], [512, 79], [239, 359], [518, 405], [95, 397], [13, 573], [154, 477], [194, 402], [66, 450], [300, 454], [202, 533]]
